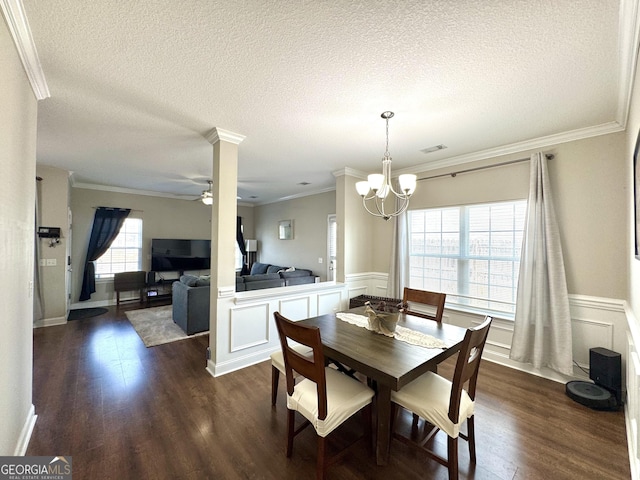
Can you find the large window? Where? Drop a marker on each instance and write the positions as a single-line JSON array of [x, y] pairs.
[[472, 253], [125, 253]]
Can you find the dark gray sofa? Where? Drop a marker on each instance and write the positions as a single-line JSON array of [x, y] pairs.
[[191, 294], [265, 275], [190, 303]]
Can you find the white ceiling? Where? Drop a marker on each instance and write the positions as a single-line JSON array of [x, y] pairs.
[[136, 86]]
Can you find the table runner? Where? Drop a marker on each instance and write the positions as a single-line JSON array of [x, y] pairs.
[[403, 334]]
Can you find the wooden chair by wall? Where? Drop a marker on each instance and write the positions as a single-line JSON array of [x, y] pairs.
[[432, 299], [446, 405], [129, 281], [325, 397]]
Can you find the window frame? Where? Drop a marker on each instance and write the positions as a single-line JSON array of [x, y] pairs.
[[461, 299], [103, 277]]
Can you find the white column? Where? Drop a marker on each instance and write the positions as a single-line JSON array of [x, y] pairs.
[[223, 239]]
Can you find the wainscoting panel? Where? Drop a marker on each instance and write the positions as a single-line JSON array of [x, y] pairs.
[[331, 302], [632, 405], [296, 308], [249, 335], [249, 326], [357, 291], [587, 334], [369, 283]]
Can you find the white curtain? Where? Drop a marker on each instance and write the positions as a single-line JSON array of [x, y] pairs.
[[542, 330], [399, 264]]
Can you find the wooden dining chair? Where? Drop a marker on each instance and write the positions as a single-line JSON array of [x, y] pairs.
[[433, 299], [277, 367], [445, 404], [325, 397]]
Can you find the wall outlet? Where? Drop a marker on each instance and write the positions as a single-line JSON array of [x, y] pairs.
[[51, 262], [319, 259]]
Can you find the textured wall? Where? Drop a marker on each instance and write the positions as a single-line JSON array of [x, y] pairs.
[[17, 192]]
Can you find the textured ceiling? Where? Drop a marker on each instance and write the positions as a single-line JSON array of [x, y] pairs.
[[136, 86]]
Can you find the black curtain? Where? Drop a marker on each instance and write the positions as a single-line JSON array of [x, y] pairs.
[[243, 250], [107, 223]]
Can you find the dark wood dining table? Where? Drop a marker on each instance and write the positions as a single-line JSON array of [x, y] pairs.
[[390, 363]]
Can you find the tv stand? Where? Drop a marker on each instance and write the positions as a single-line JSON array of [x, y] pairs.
[[162, 291]]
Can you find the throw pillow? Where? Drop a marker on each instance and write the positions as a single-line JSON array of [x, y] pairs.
[[189, 280], [259, 268]]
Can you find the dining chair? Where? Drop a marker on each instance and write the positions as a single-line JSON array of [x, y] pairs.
[[424, 297], [445, 404], [326, 398], [435, 300], [277, 366]]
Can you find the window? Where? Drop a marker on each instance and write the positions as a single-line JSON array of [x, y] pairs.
[[238, 258], [125, 253], [333, 247], [472, 253]]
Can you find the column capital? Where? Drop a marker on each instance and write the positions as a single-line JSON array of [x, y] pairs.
[[218, 134]]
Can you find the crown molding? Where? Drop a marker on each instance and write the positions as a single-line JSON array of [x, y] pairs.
[[628, 56], [218, 134], [297, 195], [18, 24], [132, 191], [536, 143], [352, 172]]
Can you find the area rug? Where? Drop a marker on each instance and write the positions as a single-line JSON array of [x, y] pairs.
[[82, 313], [155, 326]]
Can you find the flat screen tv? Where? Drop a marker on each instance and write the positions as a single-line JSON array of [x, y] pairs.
[[178, 255]]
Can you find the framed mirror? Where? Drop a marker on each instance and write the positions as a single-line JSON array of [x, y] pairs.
[[285, 229]]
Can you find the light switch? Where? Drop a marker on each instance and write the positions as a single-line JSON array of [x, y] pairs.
[[319, 259], [43, 262], [51, 262]]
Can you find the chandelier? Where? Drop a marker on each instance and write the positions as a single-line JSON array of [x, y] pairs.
[[375, 191], [207, 195]]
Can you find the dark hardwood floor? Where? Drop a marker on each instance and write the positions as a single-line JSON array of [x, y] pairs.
[[124, 411]]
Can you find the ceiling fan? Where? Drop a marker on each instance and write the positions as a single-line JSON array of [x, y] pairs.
[[207, 195]]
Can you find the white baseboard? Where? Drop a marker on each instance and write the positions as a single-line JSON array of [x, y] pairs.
[[95, 303], [25, 434], [546, 373], [49, 322], [221, 368]]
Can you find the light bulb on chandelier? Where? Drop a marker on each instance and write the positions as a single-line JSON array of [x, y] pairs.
[[375, 190], [207, 195]]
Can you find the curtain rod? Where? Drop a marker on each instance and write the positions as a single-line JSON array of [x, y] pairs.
[[549, 156], [119, 208]]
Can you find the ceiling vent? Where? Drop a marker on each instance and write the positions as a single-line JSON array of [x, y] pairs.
[[435, 148]]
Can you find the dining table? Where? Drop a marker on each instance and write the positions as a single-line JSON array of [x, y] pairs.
[[389, 363]]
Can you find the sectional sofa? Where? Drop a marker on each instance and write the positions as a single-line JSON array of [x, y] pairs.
[[191, 293], [265, 275]]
